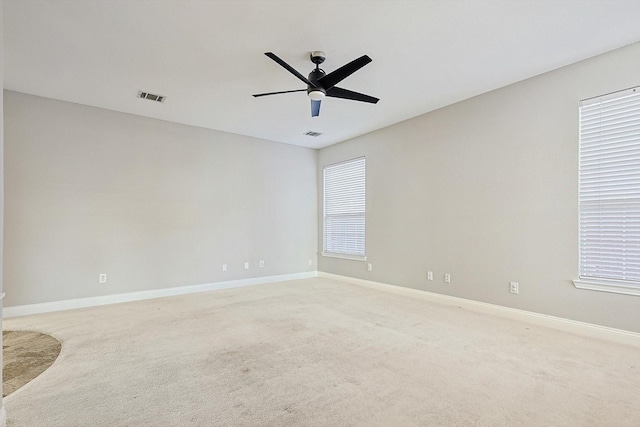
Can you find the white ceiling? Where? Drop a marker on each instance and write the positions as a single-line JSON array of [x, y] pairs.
[[207, 56]]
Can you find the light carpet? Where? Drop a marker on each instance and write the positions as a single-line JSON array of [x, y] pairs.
[[317, 352]]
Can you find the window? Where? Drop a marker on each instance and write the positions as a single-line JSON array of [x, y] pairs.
[[609, 193], [344, 209]]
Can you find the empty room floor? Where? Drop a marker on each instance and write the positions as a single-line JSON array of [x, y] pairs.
[[318, 352]]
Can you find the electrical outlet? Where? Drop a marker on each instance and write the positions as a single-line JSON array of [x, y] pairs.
[[429, 275], [369, 267], [261, 263], [102, 278], [246, 265], [514, 287], [310, 262], [447, 278], [224, 267]]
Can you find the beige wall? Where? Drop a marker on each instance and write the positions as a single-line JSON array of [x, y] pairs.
[[486, 190], [153, 204]]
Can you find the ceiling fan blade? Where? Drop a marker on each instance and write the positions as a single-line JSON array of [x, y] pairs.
[[277, 93], [289, 68], [335, 77], [315, 108], [337, 92]]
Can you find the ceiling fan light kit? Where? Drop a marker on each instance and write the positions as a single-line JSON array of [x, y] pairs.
[[316, 95], [321, 84]]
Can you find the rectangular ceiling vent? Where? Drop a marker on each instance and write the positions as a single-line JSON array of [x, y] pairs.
[[151, 96], [312, 133]]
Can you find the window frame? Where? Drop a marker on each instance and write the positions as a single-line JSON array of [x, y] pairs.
[[353, 256], [586, 204]]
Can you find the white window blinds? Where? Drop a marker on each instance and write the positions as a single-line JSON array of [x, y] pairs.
[[345, 208], [609, 188]]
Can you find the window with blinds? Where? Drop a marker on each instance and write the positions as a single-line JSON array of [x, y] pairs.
[[345, 209], [609, 190]]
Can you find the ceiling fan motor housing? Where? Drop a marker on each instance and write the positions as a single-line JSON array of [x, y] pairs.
[[314, 76]]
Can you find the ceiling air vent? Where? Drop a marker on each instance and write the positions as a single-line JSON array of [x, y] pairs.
[[312, 133], [151, 96]]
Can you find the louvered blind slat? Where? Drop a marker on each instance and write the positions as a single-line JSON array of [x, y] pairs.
[[609, 187], [344, 208]]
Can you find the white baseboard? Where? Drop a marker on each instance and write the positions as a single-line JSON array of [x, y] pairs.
[[3, 417], [46, 307], [558, 323]]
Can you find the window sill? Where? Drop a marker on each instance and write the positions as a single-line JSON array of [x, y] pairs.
[[344, 256], [605, 286]]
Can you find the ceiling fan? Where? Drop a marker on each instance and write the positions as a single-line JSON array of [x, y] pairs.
[[320, 84]]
